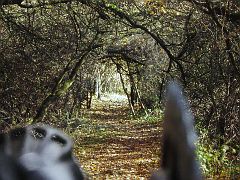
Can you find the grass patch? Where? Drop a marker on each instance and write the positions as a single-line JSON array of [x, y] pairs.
[[217, 162], [153, 117]]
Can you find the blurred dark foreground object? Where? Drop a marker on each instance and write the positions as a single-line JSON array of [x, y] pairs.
[[44, 153], [37, 153], [179, 138]]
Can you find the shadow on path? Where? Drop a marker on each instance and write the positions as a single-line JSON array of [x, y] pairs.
[[113, 145]]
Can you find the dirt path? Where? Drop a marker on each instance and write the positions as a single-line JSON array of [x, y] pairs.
[[110, 144]]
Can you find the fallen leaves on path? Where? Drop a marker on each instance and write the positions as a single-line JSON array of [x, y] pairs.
[[110, 144]]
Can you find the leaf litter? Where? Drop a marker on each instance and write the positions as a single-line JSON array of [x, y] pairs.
[[111, 144]]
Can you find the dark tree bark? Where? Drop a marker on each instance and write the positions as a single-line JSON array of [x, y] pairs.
[[125, 89], [135, 95], [61, 87], [9, 2]]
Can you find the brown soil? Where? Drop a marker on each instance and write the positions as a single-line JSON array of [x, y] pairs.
[[110, 144]]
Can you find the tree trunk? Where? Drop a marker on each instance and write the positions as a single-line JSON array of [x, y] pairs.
[[98, 86], [58, 90], [125, 90], [134, 90], [50, 99]]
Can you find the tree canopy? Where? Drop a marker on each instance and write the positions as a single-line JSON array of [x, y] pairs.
[[54, 54]]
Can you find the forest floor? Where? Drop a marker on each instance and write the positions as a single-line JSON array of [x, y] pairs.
[[111, 144]]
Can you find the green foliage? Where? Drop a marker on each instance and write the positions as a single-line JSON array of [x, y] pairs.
[[153, 116], [112, 6], [200, 48], [216, 162], [64, 87]]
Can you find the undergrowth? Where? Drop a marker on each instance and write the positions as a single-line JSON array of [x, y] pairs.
[[217, 162], [152, 116]]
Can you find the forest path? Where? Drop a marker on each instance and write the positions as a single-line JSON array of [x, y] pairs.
[[111, 144]]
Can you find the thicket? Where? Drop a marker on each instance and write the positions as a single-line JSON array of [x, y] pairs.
[[56, 54]]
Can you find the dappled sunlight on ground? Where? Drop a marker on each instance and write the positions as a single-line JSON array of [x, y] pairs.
[[114, 97], [111, 144]]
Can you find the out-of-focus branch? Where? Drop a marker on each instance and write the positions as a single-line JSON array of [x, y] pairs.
[[9, 2]]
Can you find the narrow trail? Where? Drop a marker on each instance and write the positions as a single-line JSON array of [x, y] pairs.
[[110, 144]]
